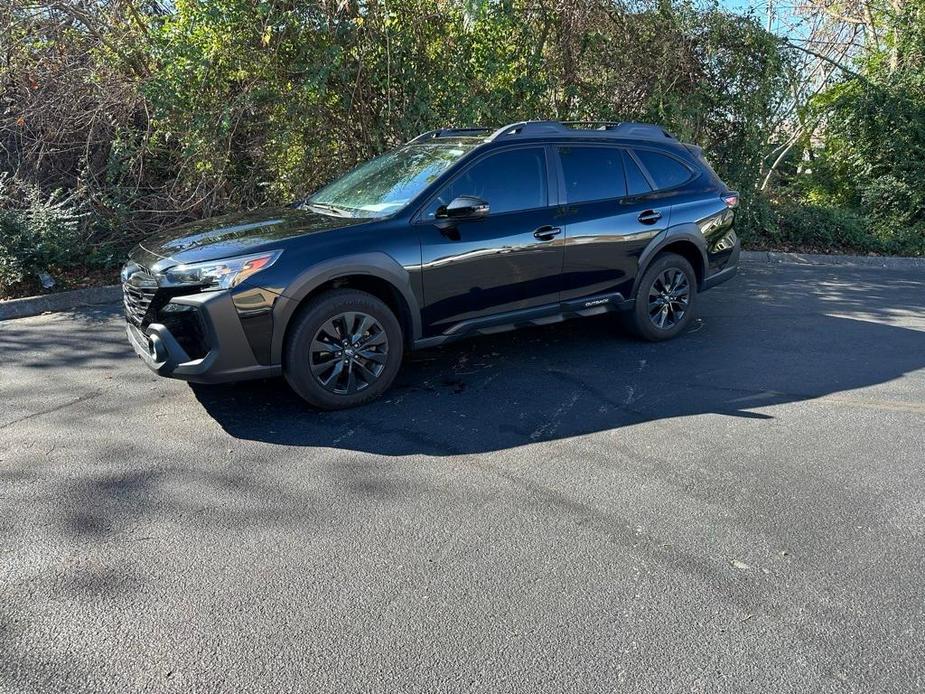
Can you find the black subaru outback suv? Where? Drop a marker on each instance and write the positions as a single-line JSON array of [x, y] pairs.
[[458, 232]]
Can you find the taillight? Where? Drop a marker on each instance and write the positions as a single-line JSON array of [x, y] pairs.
[[731, 200]]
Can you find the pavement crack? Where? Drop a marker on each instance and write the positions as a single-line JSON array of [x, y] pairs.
[[56, 408]]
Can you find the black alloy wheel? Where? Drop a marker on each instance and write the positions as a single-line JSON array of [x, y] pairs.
[[665, 299], [348, 353], [343, 348], [669, 296]]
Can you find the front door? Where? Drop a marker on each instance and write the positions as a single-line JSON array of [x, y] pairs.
[[509, 260]]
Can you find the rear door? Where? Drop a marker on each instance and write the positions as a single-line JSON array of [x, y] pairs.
[[610, 213]]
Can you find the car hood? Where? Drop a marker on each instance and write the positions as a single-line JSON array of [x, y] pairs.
[[234, 234]]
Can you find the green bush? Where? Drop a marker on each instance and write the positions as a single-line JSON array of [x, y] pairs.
[[38, 232], [812, 227], [897, 237], [808, 226], [889, 197]]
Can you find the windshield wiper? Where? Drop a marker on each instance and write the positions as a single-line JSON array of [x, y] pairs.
[[337, 211]]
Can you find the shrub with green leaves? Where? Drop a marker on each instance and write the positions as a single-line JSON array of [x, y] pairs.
[[38, 232], [819, 227]]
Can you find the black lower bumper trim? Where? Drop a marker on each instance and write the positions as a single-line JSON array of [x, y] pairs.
[[720, 277], [727, 273], [229, 357]]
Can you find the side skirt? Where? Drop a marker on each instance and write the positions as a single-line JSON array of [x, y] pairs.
[[540, 315]]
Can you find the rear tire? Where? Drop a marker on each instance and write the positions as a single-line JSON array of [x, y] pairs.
[[666, 298], [343, 349]]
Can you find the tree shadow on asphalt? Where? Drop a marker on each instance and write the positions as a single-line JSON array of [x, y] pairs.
[[87, 337], [765, 339]]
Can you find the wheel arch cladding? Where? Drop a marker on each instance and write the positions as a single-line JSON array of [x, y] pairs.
[[684, 240], [375, 273]]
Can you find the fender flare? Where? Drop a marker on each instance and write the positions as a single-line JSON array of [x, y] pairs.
[[379, 265], [682, 232]]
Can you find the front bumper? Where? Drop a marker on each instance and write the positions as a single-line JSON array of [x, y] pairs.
[[229, 356]]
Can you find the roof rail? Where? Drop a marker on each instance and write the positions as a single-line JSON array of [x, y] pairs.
[[533, 128], [638, 131], [448, 132], [642, 131], [592, 124], [528, 127]]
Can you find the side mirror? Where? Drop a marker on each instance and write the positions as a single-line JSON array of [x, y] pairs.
[[463, 207]]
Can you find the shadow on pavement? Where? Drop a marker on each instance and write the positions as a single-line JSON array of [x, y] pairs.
[[767, 338]]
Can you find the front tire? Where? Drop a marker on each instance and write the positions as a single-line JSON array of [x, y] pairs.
[[666, 298], [343, 349]]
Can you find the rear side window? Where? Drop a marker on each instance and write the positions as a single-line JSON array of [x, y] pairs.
[[507, 181], [592, 173], [665, 171], [636, 183]]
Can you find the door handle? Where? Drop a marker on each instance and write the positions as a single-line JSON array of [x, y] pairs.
[[547, 232], [649, 217]]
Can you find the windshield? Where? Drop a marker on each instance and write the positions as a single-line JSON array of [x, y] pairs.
[[385, 184]]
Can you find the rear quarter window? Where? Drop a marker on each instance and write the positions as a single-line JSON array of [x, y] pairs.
[[665, 171], [711, 172]]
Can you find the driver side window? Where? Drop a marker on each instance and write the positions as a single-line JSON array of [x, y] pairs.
[[508, 181]]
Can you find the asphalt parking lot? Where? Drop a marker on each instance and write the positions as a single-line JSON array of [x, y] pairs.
[[561, 509]]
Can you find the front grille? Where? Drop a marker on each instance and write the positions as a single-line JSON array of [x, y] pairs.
[[138, 290]]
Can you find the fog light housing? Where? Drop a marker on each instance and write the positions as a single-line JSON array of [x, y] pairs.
[[186, 324], [177, 308]]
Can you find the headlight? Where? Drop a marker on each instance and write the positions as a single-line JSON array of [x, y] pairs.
[[217, 274]]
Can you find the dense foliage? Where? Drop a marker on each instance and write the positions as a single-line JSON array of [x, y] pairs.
[[863, 167], [121, 116]]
